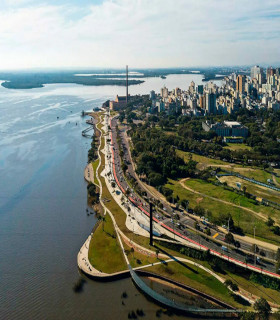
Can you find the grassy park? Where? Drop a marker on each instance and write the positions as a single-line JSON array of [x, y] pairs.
[[250, 172], [105, 252], [242, 280], [259, 191], [94, 167], [242, 218], [219, 192], [237, 146], [105, 243]]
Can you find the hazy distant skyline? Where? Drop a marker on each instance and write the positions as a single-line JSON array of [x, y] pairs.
[[140, 33]]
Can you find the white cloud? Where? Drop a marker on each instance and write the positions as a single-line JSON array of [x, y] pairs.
[[142, 33]]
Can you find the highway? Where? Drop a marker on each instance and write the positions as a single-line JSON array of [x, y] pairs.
[[184, 226]]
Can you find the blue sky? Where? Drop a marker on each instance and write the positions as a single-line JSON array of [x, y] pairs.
[[141, 33]]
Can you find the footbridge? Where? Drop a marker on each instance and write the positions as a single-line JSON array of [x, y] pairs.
[[164, 301]]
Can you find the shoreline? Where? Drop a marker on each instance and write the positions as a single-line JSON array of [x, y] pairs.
[[97, 274]]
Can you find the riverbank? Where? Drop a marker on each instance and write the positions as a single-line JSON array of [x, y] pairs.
[[103, 174]]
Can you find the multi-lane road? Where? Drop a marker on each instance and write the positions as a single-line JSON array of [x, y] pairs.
[[184, 226]]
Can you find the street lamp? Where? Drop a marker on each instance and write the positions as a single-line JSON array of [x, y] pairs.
[[255, 243]]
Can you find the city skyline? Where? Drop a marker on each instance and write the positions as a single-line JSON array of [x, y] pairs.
[[145, 34]]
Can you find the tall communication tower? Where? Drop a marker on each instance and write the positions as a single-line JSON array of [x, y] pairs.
[[126, 84]]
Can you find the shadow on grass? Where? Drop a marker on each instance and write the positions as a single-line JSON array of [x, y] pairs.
[[176, 260]]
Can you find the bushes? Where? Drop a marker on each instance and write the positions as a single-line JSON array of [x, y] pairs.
[[231, 284], [265, 281]]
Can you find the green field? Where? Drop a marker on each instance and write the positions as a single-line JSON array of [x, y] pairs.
[[204, 162], [241, 280], [105, 253], [94, 166], [242, 218], [237, 146], [253, 173], [220, 193], [258, 191]]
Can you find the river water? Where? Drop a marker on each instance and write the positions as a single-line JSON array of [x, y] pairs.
[[43, 202]]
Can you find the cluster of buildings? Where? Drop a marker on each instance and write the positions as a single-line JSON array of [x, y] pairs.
[[259, 90], [231, 131]]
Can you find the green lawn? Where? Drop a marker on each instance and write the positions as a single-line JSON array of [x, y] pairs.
[[254, 288], [229, 196], [105, 253], [94, 166], [137, 259], [241, 280], [204, 162], [237, 146], [201, 159], [253, 173], [258, 191], [242, 218], [195, 278]]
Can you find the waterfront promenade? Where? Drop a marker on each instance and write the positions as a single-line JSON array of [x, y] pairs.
[[131, 224]]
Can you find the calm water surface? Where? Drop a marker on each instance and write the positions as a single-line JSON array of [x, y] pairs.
[[43, 220]]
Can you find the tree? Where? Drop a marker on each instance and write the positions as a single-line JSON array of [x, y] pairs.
[[124, 167], [196, 225], [277, 257], [199, 211], [208, 232], [270, 222], [263, 308], [102, 218], [185, 204], [113, 184], [156, 179], [277, 267], [207, 255], [247, 315], [91, 189], [132, 251], [276, 230], [237, 244], [229, 238]]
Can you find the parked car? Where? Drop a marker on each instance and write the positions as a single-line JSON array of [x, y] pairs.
[[224, 248]]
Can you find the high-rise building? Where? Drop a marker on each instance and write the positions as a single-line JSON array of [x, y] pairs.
[[202, 101], [260, 78], [200, 89], [192, 87], [255, 71], [164, 92], [177, 92], [240, 83], [270, 72], [210, 103], [152, 95]]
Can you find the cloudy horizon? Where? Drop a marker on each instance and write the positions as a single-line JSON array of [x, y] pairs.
[[140, 33]]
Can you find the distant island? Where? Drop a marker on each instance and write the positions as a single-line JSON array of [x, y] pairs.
[[37, 80], [97, 77]]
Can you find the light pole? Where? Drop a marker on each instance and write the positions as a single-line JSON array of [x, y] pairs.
[[151, 224], [255, 243]]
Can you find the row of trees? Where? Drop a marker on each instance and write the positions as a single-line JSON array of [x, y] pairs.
[[156, 157]]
